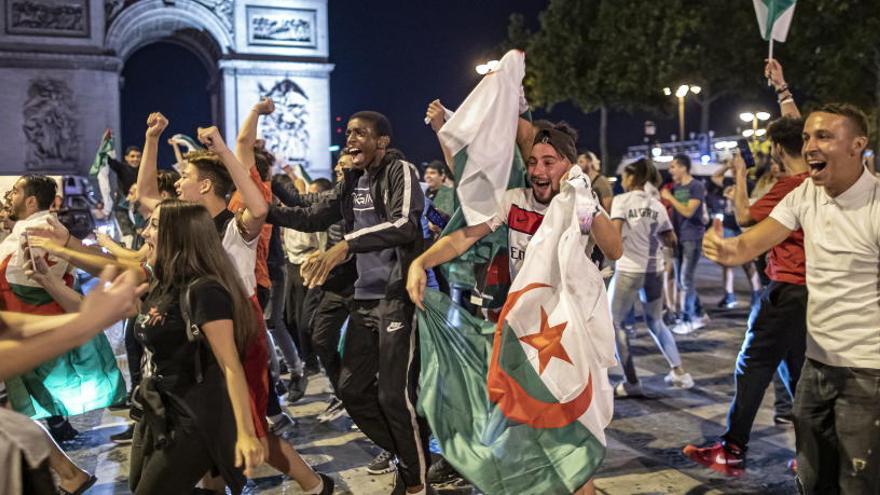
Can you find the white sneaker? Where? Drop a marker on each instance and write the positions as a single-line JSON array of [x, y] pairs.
[[699, 322], [624, 389], [679, 381], [683, 328]]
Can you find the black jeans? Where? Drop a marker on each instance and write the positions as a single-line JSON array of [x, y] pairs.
[[776, 338], [837, 429], [332, 312], [378, 382]]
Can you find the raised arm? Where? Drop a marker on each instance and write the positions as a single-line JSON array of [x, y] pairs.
[[256, 207], [178, 155], [147, 181], [445, 249], [773, 73], [741, 193], [247, 135], [436, 117]]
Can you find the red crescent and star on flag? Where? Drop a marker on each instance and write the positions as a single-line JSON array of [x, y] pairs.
[[512, 399]]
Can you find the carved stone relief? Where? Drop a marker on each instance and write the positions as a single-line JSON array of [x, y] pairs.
[[50, 125], [224, 9], [48, 17], [282, 27], [286, 130]]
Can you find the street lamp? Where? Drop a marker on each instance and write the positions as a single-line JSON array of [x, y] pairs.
[[680, 93], [754, 117], [489, 66]]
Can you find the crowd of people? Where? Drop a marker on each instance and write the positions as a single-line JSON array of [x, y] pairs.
[[238, 280]]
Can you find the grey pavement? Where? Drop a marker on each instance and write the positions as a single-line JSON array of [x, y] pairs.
[[644, 440]]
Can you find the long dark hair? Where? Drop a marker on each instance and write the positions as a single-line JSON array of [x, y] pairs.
[[188, 248], [642, 171]]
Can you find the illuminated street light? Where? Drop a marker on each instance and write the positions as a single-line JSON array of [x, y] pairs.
[[488, 67], [748, 133], [680, 93], [754, 117]]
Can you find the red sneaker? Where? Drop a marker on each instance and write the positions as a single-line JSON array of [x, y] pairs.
[[723, 458]]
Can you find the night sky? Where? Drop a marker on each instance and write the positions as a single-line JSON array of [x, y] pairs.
[[393, 57]]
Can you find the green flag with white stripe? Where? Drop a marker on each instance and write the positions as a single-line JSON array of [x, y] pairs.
[[774, 18]]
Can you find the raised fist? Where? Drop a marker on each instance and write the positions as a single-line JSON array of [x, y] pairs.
[[265, 106], [211, 138], [773, 73], [436, 115], [156, 123]]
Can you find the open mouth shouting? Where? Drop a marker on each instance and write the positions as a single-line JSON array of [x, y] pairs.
[[816, 167], [540, 186], [357, 156]]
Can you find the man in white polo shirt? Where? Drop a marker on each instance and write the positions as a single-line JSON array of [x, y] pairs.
[[837, 404]]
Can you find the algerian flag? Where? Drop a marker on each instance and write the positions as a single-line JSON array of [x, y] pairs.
[[105, 150], [774, 18], [82, 380], [536, 425], [481, 135], [189, 143]]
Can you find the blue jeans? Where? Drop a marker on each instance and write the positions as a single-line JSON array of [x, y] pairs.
[[774, 343], [686, 259], [625, 288]]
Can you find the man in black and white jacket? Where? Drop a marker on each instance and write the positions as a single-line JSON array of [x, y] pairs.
[[381, 203]]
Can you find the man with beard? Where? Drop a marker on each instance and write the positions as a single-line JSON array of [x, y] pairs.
[[836, 414], [381, 202]]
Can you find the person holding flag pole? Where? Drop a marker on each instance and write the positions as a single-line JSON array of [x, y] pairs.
[[535, 388]]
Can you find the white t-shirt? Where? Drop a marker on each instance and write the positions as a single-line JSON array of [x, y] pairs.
[[243, 255], [842, 245], [523, 215], [644, 220]]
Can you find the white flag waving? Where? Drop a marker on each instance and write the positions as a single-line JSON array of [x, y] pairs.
[[774, 18], [481, 135]]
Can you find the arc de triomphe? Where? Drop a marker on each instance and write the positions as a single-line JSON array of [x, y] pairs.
[[61, 60]]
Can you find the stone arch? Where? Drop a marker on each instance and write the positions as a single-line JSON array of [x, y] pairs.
[[186, 22]]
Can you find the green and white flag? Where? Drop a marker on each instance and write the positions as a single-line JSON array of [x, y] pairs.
[[105, 151], [774, 18], [481, 136], [521, 406]]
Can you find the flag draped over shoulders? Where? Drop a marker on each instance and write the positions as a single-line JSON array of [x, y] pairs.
[[84, 379], [521, 406]]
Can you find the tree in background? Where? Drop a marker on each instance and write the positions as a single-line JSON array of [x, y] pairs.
[[833, 54], [600, 56]]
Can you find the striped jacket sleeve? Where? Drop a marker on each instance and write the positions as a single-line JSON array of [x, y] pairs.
[[403, 211]]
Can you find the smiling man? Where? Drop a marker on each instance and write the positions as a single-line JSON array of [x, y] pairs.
[[836, 404], [381, 202]]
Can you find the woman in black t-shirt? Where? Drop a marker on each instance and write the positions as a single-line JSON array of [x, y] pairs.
[[197, 414]]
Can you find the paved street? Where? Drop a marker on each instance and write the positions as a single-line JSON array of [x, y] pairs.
[[644, 440]]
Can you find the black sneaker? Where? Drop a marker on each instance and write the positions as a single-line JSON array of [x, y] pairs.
[[63, 431], [123, 437], [297, 388], [441, 472], [382, 463]]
